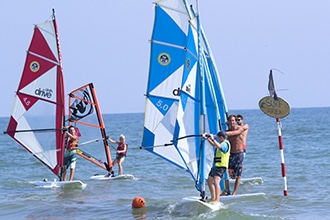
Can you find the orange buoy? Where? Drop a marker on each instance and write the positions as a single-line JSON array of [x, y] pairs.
[[138, 202]]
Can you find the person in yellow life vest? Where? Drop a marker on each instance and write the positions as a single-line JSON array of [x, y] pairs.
[[70, 152], [220, 164]]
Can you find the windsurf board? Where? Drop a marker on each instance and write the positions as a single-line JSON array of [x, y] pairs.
[[199, 205], [252, 180], [119, 177], [64, 184], [240, 196]]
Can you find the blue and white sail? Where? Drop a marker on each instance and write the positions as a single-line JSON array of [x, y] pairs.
[[184, 97]]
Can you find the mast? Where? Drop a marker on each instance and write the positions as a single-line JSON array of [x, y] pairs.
[[202, 107], [60, 108], [102, 129]]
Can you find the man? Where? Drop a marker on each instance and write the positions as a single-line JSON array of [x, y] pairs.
[[240, 122], [236, 138], [70, 152], [220, 164]]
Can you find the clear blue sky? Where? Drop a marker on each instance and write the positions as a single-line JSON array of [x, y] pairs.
[[106, 42]]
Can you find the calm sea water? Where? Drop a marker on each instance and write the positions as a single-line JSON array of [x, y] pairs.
[[305, 135]]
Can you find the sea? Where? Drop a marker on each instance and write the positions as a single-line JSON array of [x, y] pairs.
[[305, 141]]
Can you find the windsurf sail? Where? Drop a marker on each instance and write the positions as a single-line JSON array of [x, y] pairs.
[[184, 97], [85, 114], [37, 117]]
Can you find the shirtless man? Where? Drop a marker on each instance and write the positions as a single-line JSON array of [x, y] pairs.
[[240, 122], [236, 138]]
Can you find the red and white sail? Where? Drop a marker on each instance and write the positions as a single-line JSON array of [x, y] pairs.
[[37, 116]]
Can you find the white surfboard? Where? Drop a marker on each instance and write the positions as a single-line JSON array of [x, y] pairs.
[[64, 184], [240, 196], [119, 177], [199, 205], [251, 180]]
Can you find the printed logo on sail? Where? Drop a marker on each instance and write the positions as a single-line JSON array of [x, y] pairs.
[[188, 63], [176, 92], [44, 93], [188, 88], [164, 59], [81, 107], [34, 66]]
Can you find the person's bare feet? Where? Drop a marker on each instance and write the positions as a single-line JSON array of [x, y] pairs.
[[214, 202], [210, 200]]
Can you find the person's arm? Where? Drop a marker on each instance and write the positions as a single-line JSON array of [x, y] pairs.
[[112, 141], [246, 127], [213, 142], [72, 136], [239, 131]]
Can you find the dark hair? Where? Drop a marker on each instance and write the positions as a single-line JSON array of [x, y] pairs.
[[239, 116], [71, 126]]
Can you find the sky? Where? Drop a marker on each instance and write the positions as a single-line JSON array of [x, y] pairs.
[[107, 43]]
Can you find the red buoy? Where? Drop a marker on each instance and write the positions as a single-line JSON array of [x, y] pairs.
[[138, 202]]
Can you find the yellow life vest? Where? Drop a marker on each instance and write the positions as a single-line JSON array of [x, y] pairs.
[[221, 159]]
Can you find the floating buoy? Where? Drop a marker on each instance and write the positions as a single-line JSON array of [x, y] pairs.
[[138, 202]]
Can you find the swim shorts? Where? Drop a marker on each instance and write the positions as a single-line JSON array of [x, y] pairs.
[[217, 171], [236, 163]]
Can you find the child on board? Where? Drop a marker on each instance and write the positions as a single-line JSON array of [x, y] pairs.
[[120, 154], [220, 164]]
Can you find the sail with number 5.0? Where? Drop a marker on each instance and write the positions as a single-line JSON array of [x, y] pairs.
[[184, 97]]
